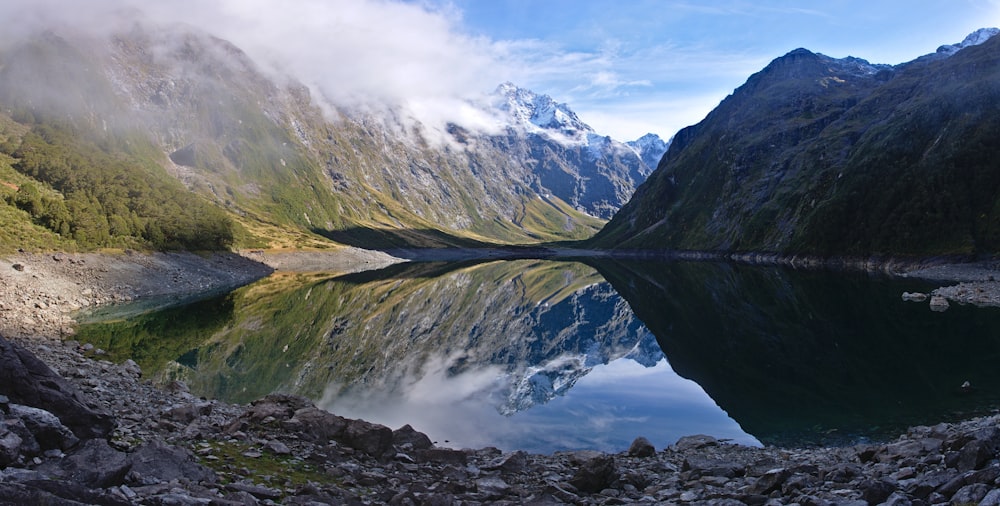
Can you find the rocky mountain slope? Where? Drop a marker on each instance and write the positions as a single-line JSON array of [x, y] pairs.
[[650, 148], [172, 104], [595, 173], [826, 156]]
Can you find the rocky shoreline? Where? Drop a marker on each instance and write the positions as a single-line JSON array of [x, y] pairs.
[[161, 445]]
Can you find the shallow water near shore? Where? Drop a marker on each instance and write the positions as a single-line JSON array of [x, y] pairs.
[[547, 356]]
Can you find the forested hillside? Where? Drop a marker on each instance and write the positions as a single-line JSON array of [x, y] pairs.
[[118, 196]]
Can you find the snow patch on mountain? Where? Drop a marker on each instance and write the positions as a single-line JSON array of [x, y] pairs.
[[973, 39], [858, 66], [538, 113], [541, 115], [650, 148]]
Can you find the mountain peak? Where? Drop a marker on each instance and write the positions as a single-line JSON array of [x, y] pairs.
[[535, 111], [650, 148], [787, 163], [973, 39]]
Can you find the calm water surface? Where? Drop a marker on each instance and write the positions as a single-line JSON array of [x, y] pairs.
[[546, 356]]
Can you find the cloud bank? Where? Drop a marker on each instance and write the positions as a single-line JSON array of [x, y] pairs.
[[368, 55]]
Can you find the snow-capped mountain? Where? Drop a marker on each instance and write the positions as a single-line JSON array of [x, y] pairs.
[[542, 115], [265, 148], [973, 39], [538, 113], [650, 148], [594, 173]]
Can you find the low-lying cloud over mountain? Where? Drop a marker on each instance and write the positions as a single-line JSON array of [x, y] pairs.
[[369, 55]]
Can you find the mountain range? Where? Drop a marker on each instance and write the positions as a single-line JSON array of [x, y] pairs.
[[824, 156], [164, 136]]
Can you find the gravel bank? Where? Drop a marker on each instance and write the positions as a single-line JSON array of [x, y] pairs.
[[42, 291]]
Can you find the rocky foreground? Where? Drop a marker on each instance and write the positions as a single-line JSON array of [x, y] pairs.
[[82, 430], [104, 436]]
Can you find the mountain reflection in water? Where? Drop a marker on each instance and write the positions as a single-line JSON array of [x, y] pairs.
[[545, 356]]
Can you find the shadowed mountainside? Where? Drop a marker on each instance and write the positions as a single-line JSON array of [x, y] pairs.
[[797, 357], [826, 156]]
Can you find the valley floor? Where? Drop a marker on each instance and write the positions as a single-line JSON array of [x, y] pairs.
[[242, 444]]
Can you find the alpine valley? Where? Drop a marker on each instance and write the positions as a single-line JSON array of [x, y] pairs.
[[170, 138]]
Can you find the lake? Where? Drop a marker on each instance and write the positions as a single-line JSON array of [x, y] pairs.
[[545, 356]]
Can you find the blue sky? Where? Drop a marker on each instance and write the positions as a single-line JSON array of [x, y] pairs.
[[632, 66], [627, 67]]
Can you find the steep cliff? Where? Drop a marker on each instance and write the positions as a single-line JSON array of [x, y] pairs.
[[833, 156]]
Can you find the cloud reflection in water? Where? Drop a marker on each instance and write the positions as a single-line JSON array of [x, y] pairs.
[[605, 409]]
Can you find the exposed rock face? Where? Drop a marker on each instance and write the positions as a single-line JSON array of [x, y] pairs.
[[565, 157], [650, 148]]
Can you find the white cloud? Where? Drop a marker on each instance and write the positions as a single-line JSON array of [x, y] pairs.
[[411, 62], [356, 54]]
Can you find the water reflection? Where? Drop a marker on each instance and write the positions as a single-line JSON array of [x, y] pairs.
[[604, 410], [545, 356], [815, 357], [513, 354]]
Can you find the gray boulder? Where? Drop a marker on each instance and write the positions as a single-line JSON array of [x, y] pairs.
[[10, 446], [408, 437], [314, 424], [695, 442], [156, 462], [48, 431], [641, 447], [370, 438], [26, 380], [93, 465], [595, 474], [54, 493]]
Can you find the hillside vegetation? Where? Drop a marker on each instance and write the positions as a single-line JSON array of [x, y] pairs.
[[820, 156], [90, 198], [165, 138]]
